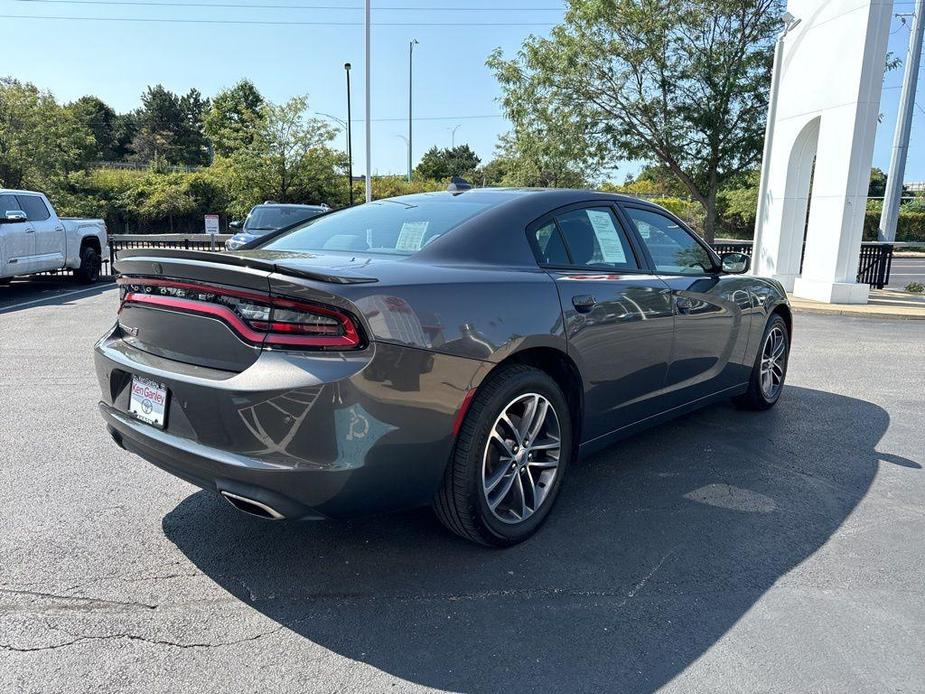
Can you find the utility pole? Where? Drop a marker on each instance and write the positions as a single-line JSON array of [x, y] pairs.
[[411, 45], [789, 23], [349, 140], [453, 136], [369, 163], [894, 181]]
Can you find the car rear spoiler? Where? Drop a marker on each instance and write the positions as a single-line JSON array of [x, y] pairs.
[[281, 267]]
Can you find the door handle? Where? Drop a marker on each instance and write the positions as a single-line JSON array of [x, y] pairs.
[[30, 231], [583, 303]]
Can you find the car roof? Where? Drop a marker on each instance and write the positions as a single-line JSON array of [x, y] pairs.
[[13, 191], [288, 204], [540, 197]]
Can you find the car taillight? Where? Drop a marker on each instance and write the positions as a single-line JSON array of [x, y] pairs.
[[256, 318]]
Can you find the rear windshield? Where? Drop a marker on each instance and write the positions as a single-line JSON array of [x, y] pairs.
[[386, 226], [272, 218]]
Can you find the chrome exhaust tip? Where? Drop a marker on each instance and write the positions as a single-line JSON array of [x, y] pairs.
[[252, 507]]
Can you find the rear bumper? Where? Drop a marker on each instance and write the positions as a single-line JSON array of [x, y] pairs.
[[310, 435]]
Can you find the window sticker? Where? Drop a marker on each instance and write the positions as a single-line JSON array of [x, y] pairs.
[[607, 237], [411, 236]]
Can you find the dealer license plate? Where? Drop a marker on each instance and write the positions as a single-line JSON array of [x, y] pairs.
[[148, 401]]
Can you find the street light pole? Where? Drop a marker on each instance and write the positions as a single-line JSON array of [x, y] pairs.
[[369, 179], [349, 140], [453, 136], [889, 217], [411, 45]]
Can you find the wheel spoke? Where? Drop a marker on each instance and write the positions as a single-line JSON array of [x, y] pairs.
[[504, 491], [497, 476], [496, 436], [524, 509], [539, 420], [527, 420]]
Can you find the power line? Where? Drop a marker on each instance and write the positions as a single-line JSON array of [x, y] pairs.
[[262, 22], [248, 6]]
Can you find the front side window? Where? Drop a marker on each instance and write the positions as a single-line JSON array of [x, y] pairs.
[[9, 203], [34, 207], [673, 249], [386, 226]]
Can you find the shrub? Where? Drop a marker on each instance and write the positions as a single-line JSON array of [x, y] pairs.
[[910, 227], [915, 287]]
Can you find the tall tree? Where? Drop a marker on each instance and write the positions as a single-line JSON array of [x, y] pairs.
[[100, 119], [233, 120], [40, 141], [682, 83], [290, 158], [170, 127], [444, 163]]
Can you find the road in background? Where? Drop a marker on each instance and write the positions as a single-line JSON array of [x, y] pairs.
[[34, 291], [728, 550], [906, 270]]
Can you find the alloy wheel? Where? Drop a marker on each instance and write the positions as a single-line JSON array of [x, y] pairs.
[[773, 363], [521, 458]]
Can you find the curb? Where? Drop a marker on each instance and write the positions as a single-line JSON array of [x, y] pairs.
[[891, 315]]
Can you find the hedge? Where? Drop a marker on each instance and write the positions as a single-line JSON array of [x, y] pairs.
[[911, 226]]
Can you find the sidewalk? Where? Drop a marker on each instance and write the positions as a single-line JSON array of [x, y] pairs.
[[883, 303]]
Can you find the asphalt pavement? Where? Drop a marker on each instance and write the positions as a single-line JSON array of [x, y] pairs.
[[906, 270], [781, 551]]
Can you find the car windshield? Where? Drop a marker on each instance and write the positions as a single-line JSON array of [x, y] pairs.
[[269, 218], [386, 226]]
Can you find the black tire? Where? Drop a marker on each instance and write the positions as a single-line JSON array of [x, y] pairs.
[[5, 281], [461, 503], [757, 397], [90, 264]]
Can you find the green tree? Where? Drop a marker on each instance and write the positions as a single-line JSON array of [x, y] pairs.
[[682, 84], [289, 159], [444, 163], [100, 119], [233, 120], [525, 157], [41, 142], [171, 126]]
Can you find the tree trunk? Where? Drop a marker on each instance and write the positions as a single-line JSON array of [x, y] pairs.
[[711, 218]]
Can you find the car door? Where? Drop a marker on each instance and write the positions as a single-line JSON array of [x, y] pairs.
[[17, 243], [48, 233], [618, 317], [712, 310]]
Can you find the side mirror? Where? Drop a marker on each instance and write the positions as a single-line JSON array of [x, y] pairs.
[[13, 217], [736, 263], [236, 225]]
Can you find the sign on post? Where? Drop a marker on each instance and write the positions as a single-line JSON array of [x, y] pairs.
[[212, 228]]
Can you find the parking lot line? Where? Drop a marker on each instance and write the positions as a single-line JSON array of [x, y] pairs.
[[4, 309]]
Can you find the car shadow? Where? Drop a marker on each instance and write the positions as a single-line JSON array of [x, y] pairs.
[[656, 548]]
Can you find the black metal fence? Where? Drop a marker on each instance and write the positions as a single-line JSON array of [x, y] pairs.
[[873, 269], [194, 242]]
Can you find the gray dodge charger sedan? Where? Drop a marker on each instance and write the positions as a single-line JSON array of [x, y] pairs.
[[459, 349]]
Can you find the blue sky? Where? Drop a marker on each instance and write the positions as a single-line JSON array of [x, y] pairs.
[[115, 60]]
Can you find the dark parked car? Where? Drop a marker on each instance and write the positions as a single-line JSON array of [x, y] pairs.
[[270, 216], [460, 349]]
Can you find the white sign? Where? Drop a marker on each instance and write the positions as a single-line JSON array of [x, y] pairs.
[[211, 223], [607, 237], [411, 236]]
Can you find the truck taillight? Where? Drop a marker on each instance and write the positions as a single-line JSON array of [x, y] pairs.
[[256, 318]]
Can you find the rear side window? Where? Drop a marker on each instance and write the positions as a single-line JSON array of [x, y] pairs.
[[267, 218], [593, 238], [549, 243], [386, 226], [34, 207], [673, 249]]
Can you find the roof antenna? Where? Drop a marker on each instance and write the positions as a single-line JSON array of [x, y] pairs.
[[458, 184]]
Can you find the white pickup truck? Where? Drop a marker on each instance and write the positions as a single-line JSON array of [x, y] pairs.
[[34, 239]]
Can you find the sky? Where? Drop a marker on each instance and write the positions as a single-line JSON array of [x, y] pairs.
[[301, 49]]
